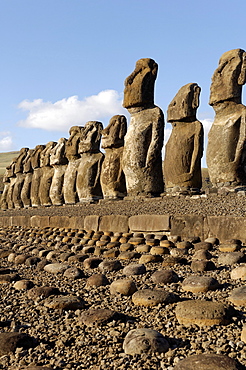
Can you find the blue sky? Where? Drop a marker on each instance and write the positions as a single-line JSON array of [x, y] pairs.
[[64, 62]]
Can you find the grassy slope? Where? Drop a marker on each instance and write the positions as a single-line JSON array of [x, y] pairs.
[[5, 160]]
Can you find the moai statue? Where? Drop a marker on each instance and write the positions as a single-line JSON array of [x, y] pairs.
[[28, 172], [47, 174], [6, 182], [59, 161], [113, 181], [20, 177], [12, 180], [184, 149], [142, 161], [90, 163], [37, 174], [72, 154], [226, 151]]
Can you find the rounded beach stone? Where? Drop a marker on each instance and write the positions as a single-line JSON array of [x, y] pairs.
[[172, 261], [137, 241], [9, 278], [139, 341], [243, 334], [229, 247], [126, 247], [143, 248], [196, 284], [212, 240], [23, 285], [91, 263], [202, 265], [98, 316], [147, 258], [151, 297], [111, 253], [239, 273], [42, 292], [73, 273], [164, 277], [208, 361], [97, 280], [238, 296], [200, 312], [128, 255], [32, 261], [159, 250], [203, 245], [184, 245], [178, 252], [21, 259], [134, 269], [201, 255], [64, 303], [55, 268], [37, 368], [167, 243], [12, 340], [110, 265], [123, 286], [230, 258]]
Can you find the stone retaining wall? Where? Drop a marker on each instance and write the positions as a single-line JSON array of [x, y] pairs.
[[222, 227]]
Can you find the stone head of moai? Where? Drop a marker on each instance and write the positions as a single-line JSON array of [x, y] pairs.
[[35, 156], [114, 133], [72, 145], [45, 154], [185, 103], [229, 77], [20, 159], [139, 86], [57, 154], [91, 137]]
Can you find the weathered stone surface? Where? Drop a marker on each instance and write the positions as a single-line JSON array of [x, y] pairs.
[[134, 269], [196, 284], [59, 221], [243, 334], [40, 221], [72, 154], [9, 342], [88, 178], [184, 149], [47, 174], [201, 313], [92, 262], [97, 280], [64, 303], [207, 361], [37, 174], [187, 225], [42, 292], [226, 227], [230, 258], [23, 285], [203, 245], [138, 341], [112, 176], [24, 221], [152, 297], [115, 223], [238, 296], [110, 265], [202, 265], [149, 223], [147, 258], [73, 273], [123, 286], [20, 177], [226, 138], [91, 222], [144, 140], [239, 273], [58, 161], [94, 317], [164, 277], [55, 268], [28, 172]]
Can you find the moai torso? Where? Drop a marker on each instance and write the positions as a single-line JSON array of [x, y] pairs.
[[112, 175], [142, 162], [226, 151], [184, 149]]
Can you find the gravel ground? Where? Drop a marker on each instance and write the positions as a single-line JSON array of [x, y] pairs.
[[214, 205], [63, 342]]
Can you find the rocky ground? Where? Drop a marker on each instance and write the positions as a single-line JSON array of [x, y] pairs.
[[196, 302], [211, 204]]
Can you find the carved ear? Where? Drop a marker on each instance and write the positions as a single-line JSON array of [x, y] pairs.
[[242, 76], [122, 127], [196, 95]]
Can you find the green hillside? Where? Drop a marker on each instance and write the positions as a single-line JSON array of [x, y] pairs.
[[5, 159]]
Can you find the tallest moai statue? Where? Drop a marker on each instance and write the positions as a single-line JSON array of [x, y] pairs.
[[226, 152], [142, 162]]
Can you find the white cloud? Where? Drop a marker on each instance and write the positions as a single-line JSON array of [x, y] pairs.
[[5, 141], [207, 123], [63, 114]]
